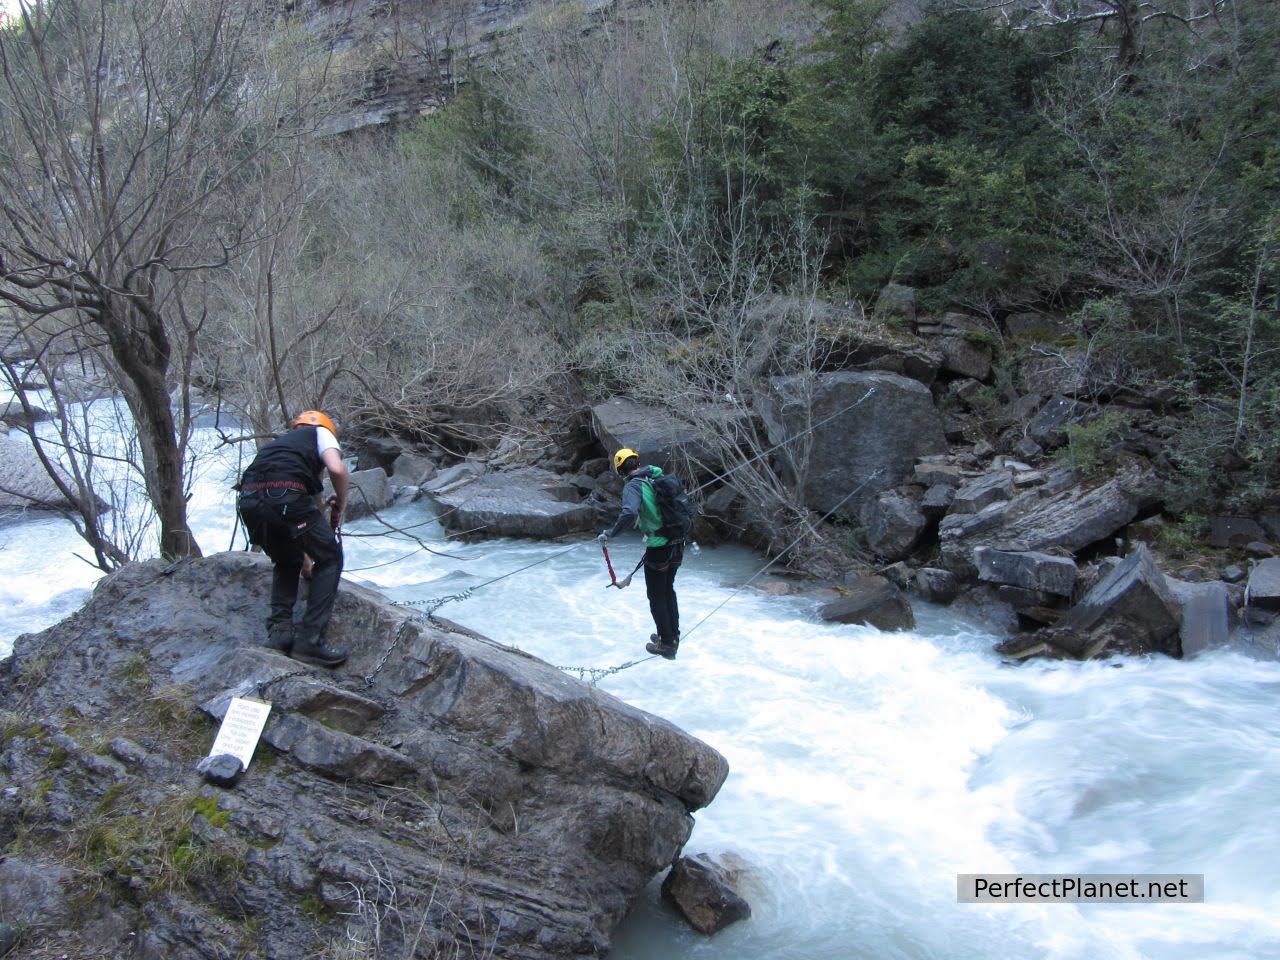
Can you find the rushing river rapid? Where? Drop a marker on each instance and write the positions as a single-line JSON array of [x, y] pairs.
[[867, 769]]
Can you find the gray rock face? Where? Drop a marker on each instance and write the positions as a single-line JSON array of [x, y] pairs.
[[936, 586], [1034, 326], [937, 500], [893, 525], [863, 446], [370, 492], [895, 300], [1131, 610], [1043, 517], [703, 889], [1206, 615], [963, 356], [1028, 569], [12, 414], [1046, 426], [438, 784], [938, 474], [1064, 374], [1264, 585], [979, 494], [874, 601], [1234, 532], [412, 470], [526, 502], [657, 436], [23, 481]]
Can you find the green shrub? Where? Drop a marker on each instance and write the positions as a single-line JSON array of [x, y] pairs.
[[1092, 448]]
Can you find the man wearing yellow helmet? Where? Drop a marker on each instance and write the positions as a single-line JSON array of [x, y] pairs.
[[662, 557], [278, 504]]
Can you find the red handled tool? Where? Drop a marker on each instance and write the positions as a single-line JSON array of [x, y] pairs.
[[613, 577]]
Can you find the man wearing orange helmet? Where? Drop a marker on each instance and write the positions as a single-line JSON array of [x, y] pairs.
[[279, 506]]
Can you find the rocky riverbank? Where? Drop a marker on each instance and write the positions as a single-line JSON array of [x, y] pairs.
[[968, 462]]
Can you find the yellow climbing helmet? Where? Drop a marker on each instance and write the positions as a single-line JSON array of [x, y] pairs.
[[622, 456], [315, 418]]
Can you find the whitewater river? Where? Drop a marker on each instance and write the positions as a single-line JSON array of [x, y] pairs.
[[867, 769]]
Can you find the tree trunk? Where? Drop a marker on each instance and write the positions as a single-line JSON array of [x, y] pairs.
[[141, 349]]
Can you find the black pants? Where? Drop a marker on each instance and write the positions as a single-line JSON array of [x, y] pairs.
[[286, 525], [660, 566]]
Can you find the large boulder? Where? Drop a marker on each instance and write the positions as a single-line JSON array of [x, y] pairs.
[[1066, 516], [861, 432], [873, 601], [1263, 588], [525, 502], [24, 482], [1027, 569], [14, 414], [1235, 532], [654, 433], [896, 302], [893, 525], [1046, 427], [980, 493], [967, 357], [1130, 610], [1064, 372], [438, 785], [935, 585], [369, 492], [1206, 615]]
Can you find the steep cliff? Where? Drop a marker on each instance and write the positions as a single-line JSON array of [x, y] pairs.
[[399, 59]]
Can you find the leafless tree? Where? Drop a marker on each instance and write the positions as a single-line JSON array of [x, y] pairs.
[[125, 129], [1122, 23]]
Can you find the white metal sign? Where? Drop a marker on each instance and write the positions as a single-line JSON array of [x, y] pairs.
[[241, 727]]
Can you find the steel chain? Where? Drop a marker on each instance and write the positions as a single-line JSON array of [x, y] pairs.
[[263, 684], [597, 674], [434, 604]]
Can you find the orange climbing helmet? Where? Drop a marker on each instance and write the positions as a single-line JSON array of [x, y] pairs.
[[315, 418]]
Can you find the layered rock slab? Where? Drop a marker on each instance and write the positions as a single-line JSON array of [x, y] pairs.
[[459, 795]]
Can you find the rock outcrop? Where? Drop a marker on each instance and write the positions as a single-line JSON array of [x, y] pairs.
[[1130, 610], [873, 601], [1061, 514], [24, 482], [657, 435], [439, 795], [858, 446], [524, 502]]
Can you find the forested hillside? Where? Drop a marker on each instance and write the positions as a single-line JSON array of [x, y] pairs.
[[666, 199]]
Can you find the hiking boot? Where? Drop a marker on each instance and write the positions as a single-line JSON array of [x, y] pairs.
[[280, 637], [662, 648], [311, 649]]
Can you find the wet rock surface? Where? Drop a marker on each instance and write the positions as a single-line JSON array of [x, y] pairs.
[[456, 798]]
